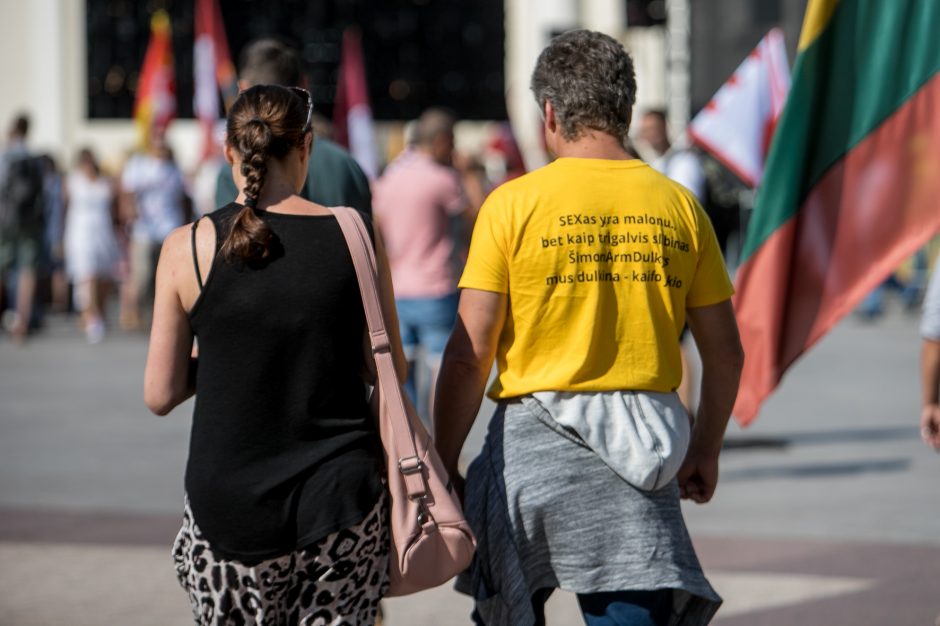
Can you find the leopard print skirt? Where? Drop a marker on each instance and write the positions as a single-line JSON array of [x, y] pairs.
[[338, 581]]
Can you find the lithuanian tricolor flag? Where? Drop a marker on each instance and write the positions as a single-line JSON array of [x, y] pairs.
[[852, 184]]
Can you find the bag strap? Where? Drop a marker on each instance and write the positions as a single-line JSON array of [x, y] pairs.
[[403, 433]]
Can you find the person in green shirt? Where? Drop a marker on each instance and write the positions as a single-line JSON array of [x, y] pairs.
[[334, 179]]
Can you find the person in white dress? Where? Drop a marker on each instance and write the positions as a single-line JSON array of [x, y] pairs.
[[91, 250]]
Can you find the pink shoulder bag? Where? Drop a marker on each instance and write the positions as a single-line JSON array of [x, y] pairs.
[[430, 540]]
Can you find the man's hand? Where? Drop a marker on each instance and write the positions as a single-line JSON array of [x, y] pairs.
[[930, 425], [930, 391], [698, 476]]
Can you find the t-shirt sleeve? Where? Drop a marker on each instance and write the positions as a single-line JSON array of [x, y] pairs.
[[487, 267], [930, 322], [711, 283]]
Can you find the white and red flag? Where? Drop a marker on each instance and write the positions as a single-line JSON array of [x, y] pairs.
[[352, 116], [738, 122], [213, 70]]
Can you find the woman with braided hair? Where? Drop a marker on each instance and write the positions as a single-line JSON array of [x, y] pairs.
[[285, 512]]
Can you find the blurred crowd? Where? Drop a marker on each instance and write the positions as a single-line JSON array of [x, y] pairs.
[[75, 238], [72, 237], [78, 238]]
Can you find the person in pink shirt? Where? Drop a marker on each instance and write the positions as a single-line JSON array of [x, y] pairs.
[[416, 202]]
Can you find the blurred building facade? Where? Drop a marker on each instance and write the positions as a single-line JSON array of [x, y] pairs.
[[72, 63]]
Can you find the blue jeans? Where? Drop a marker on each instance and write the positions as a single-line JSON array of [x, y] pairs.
[[626, 608], [611, 608], [425, 322]]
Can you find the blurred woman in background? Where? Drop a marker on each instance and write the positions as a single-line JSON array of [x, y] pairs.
[[90, 246]]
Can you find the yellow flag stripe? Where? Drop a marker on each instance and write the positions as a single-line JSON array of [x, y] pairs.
[[818, 13]]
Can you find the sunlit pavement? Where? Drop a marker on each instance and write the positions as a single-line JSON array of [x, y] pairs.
[[828, 510]]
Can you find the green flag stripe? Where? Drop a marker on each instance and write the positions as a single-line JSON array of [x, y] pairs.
[[872, 57]]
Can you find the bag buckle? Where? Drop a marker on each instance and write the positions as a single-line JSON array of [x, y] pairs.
[[380, 342], [410, 465]]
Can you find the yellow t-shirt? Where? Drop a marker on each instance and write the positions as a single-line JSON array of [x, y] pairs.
[[600, 259]]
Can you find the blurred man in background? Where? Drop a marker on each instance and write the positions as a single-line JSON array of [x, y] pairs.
[[681, 165], [416, 201], [22, 225], [334, 178], [153, 203]]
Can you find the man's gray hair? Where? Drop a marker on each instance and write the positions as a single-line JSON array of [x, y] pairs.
[[589, 79]]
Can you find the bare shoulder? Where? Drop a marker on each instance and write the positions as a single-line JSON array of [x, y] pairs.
[[176, 243], [176, 253], [175, 270], [179, 241]]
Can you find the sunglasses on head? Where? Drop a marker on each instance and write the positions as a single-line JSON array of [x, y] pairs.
[[305, 95]]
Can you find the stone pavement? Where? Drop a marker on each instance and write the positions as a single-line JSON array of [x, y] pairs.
[[828, 509]]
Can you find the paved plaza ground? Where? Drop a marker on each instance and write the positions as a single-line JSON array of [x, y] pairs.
[[828, 509]]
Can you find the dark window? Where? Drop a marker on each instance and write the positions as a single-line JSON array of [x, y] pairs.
[[417, 53], [646, 12], [118, 32]]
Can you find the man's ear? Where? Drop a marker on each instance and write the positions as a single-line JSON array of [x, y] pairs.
[[243, 85], [551, 122]]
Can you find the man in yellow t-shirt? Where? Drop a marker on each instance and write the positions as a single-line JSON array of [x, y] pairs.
[[579, 280], [599, 259]]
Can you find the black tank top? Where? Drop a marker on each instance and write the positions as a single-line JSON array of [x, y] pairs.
[[284, 450]]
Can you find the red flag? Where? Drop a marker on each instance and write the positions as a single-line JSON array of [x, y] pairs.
[[738, 122], [213, 69], [352, 117], [155, 101]]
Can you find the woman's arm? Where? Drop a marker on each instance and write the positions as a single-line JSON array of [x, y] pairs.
[[170, 375]]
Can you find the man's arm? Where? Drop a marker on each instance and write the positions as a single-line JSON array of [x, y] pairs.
[[716, 334], [930, 390], [465, 369]]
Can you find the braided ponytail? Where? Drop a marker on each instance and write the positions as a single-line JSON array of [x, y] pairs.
[[265, 122], [250, 237]]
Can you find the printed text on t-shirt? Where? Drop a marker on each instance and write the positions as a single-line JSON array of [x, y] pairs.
[[633, 246]]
